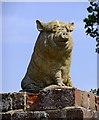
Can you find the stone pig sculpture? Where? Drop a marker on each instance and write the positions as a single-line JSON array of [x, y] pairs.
[[51, 59]]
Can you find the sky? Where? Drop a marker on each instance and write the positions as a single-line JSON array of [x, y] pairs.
[[19, 34]]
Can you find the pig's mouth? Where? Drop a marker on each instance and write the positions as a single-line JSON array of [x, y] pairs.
[[63, 41]]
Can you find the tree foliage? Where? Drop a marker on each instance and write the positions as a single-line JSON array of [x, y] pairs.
[[95, 91], [92, 21]]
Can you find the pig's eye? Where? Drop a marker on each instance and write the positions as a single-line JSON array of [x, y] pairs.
[[55, 26], [67, 29], [51, 31]]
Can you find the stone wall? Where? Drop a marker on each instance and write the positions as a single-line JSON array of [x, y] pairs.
[[59, 104]]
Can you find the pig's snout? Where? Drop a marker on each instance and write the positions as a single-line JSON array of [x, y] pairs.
[[64, 35]]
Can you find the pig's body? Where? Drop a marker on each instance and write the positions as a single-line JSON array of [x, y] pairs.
[[51, 59]]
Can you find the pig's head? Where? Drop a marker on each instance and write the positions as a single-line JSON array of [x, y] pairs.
[[56, 34]]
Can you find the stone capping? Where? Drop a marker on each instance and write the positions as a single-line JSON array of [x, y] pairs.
[[58, 103]]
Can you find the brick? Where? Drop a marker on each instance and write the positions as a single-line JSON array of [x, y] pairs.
[[91, 101], [57, 99], [18, 100], [72, 113], [85, 100], [97, 102], [30, 115], [97, 99], [40, 115], [49, 105], [5, 102], [51, 100], [87, 113], [5, 116], [97, 107], [96, 115], [54, 114], [32, 101], [78, 97], [22, 116], [60, 98]]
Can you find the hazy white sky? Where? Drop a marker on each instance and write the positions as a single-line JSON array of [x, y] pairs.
[[19, 35]]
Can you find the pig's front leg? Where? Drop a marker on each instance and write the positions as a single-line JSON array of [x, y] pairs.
[[59, 79]]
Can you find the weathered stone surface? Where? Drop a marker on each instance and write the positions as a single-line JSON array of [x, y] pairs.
[[68, 113], [5, 102], [72, 113], [42, 115], [54, 99], [63, 104], [96, 115], [18, 100], [60, 98], [22, 116], [36, 115], [87, 113], [54, 114], [5, 116], [51, 58], [57, 99]]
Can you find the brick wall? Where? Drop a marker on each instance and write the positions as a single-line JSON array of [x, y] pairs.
[[65, 104]]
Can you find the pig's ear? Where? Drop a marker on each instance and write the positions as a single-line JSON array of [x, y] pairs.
[[40, 25], [71, 26]]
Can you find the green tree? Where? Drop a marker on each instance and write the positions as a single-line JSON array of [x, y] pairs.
[[95, 91], [92, 22]]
